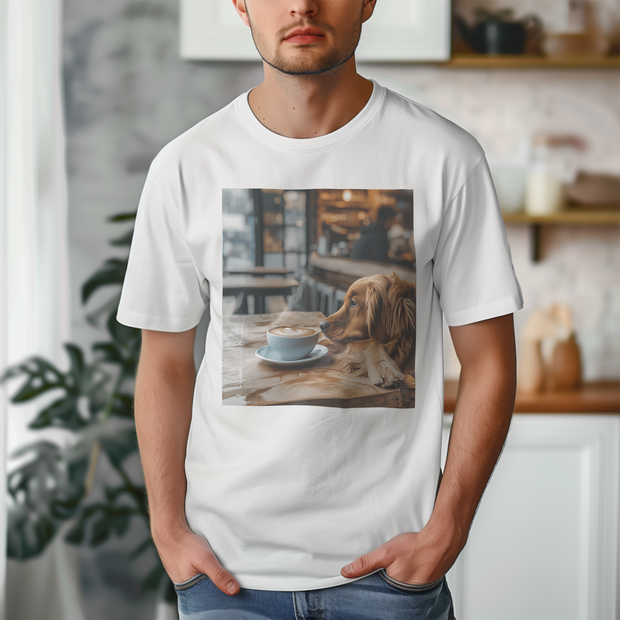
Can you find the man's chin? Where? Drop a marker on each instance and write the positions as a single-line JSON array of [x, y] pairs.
[[308, 67], [301, 70]]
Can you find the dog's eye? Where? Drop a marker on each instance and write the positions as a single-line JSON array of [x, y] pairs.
[[353, 304]]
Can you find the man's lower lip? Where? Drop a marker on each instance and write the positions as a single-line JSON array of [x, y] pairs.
[[305, 38]]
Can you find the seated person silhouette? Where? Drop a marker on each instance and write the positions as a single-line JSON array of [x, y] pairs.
[[373, 242]]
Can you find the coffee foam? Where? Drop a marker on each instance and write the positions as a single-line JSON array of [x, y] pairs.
[[293, 332]]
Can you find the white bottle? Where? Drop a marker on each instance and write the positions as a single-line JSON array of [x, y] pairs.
[[544, 192]]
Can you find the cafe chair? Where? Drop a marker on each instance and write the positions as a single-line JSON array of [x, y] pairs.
[[339, 295], [326, 297]]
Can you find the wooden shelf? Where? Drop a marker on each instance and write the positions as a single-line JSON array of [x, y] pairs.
[[592, 397], [523, 61], [577, 217]]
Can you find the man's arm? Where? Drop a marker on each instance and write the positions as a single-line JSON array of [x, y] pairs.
[[482, 415], [163, 410]]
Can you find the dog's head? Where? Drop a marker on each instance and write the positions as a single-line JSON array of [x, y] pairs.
[[379, 307]]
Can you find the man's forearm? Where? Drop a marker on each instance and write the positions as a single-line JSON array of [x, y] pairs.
[[484, 406], [164, 394], [481, 420], [163, 409]]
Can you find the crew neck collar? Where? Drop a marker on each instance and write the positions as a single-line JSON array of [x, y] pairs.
[[310, 144]]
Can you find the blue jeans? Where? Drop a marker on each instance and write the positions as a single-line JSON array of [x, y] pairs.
[[374, 597]]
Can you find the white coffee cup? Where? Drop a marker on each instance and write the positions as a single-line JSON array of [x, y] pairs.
[[292, 343]]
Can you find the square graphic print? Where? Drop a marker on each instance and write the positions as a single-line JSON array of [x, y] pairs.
[[319, 297]]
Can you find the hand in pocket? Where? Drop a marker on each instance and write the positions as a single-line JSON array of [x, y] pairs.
[[185, 554]]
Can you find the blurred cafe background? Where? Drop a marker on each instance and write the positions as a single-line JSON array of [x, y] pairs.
[[301, 246], [91, 91]]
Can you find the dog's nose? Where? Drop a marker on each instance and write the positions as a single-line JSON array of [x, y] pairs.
[[324, 325]]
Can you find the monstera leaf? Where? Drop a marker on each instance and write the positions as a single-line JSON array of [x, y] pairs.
[[81, 383], [112, 272], [45, 491], [49, 487]]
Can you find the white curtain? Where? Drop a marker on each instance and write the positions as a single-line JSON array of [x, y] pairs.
[[34, 287]]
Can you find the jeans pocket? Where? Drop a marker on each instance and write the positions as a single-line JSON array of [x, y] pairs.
[[409, 587], [184, 585]]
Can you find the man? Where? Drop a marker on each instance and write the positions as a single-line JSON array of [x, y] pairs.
[[314, 511], [373, 242]]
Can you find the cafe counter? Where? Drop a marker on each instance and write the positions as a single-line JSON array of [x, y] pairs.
[[591, 398]]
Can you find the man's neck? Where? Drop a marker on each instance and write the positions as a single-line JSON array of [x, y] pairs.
[[309, 106]]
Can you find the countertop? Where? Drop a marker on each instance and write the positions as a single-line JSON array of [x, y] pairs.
[[593, 397], [357, 268]]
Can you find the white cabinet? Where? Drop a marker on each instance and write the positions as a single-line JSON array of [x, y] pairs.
[[544, 543], [398, 30]]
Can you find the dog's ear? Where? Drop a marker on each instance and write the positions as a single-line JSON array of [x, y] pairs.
[[401, 288], [401, 321], [375, 298]]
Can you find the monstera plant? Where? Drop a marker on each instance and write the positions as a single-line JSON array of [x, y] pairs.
[[93, 400]]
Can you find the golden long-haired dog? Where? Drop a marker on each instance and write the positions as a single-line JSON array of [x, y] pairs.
[[374, 331]]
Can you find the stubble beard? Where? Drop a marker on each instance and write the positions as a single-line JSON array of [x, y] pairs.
[[305, 64]]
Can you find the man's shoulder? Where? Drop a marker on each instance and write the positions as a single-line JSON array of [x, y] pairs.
[[429, 128], [197, 141]]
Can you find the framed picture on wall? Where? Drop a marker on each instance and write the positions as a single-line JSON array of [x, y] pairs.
[[398, 31]]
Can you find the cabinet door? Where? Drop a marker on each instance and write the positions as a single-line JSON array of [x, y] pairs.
[[544, 543], [398, 30]]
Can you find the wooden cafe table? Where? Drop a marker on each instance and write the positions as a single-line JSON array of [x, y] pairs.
[[258, 287], [248, 380]]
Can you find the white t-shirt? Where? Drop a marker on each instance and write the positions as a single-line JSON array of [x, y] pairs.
[[290, 485]]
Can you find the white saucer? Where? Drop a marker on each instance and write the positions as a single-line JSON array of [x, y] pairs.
[[269, 355]]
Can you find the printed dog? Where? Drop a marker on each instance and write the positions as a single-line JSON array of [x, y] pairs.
[[374, 332]]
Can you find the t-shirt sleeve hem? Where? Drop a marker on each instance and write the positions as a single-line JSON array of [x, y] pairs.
[[158, 323], [508, 305]]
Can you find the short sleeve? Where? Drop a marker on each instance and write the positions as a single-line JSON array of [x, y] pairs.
[[472, 266], [162, 290]]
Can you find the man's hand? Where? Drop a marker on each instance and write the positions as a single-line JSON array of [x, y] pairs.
[[413, 557], [185, 554], [484, 406]]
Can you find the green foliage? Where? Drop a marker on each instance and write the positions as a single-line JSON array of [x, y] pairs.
[[112, 273], [43, 493], [93, 400]]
